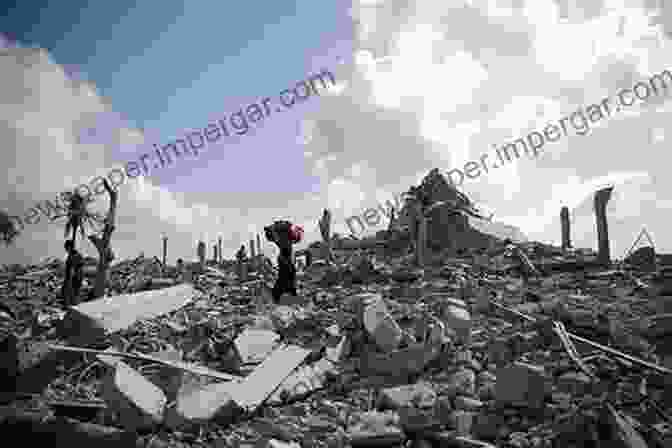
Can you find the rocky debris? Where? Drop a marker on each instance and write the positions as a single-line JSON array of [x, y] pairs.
[[373, 352]]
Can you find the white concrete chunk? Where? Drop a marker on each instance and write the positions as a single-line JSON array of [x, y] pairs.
[[89, 321], [140, 403], [458, 320], [254, 345]]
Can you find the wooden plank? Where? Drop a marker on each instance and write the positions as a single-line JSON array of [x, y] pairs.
[[267, 377], [93, 320]]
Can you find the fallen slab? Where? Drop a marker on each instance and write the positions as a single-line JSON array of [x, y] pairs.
[[197, 406], [88, 322], [253, 345], [108, 357], [139, 403], [267, 377], [304, 380]]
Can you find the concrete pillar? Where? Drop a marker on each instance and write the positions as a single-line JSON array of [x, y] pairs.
[[252, 252], [200, 253], [600, 204], [421, 246], [165, 250], [564, 224], [214, 253], [259, 245], [219, 249]]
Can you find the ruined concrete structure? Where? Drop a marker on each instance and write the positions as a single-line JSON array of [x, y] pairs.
[[600, 204], [448, 224], [564, 223]]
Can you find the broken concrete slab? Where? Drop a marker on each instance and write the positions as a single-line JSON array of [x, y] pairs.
[[139, 403], [168, 378], [521, 384], [254, 345], [268, 376], [199, 405], [458, 320], [419, 395], [91, 321], [378, 322], [304, 380], [408, 361]]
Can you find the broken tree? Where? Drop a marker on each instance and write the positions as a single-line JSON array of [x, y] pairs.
[[102, 243]]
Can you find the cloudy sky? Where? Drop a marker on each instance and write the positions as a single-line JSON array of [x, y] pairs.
[[421, 84]]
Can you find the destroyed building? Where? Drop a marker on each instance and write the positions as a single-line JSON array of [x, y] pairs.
[[375, 350]]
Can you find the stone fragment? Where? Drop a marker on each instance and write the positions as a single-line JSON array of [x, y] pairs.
[[378, 322], [487, 426], [196, 406], [418, 395], [467, 404], [463, 422], [521, 384], [458, 321], [139, 403], [255, 345], [462, 382], [168, 379], [408, 361], [574, 383]]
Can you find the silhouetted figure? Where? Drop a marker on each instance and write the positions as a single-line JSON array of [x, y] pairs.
[[74, 274], [241, 256], [283, 234]]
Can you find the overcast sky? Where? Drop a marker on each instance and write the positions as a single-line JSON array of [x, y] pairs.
[[421, 84]]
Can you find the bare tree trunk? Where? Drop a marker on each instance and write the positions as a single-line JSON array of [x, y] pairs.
[[103, 246]]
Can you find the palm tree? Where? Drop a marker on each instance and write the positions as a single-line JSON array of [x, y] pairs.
[[79, 216], [8, 231]]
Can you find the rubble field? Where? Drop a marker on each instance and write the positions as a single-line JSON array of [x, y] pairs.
[[375, 351]]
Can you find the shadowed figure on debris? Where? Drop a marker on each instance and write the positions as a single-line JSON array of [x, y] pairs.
[[241, 257], [283, 234], [74, 274], [325, 230]]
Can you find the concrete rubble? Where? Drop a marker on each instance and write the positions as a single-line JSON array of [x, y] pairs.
[[472, 349]]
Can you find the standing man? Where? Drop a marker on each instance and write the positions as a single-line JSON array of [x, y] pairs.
[[241, 256], [325, 230], [74, 274], [283, 234]]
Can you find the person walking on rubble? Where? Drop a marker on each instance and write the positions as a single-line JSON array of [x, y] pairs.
[[74, 274], [241, 256], [283, 234]]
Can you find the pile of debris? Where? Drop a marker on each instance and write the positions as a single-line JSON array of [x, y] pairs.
[[475, 346]]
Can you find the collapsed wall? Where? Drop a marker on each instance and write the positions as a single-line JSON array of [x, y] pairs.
[[448, 226]]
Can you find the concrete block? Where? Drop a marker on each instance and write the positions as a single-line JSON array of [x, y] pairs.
[[196, 406], [254, 345], [459, 321], [521, 384], [467, 404], [418, 395], [91, 321], [139, 403], [378, 322]]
